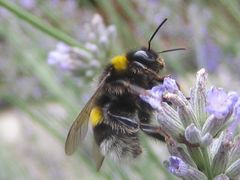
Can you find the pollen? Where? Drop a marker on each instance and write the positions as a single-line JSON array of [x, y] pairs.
[[119, 63], [96, 116]]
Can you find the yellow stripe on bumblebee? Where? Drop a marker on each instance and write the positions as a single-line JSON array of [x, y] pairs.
[[119, 63], [96, 116]]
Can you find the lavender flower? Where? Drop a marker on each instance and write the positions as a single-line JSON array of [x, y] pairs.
[[179, 168], [71, 59], [85, 62], [219, 103], [206, 125], [156, 96], [170, 85]]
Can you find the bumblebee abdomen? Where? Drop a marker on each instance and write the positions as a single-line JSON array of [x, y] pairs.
[[116, 145], [119, 147]]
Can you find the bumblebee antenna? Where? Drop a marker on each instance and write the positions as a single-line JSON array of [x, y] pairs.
[[149, 42], [171, 50]]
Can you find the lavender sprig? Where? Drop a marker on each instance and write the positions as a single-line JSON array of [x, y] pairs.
[[85, 61], [207, 124]]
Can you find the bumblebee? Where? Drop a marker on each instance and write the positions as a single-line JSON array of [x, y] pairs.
[[116, 113]]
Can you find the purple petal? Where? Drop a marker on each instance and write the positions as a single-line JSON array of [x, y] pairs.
[[177, 166], [154, 98], [170, 85], [219, 103], [157, 91], [154, 101], [236, 118]]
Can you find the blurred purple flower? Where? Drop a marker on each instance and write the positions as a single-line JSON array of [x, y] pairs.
[[208, 53], [219, 103], [28, 4], [60, 57], [211, 54]]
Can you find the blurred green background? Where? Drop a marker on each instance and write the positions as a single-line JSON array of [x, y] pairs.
[[45, 83]]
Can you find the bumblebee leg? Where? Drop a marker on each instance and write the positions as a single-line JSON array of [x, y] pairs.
[[158, 133], [155, 131]]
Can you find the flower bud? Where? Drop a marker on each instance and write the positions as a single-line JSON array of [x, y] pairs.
[[221, 156], [185, 110], [193, 134], [234, 169], [198, 96], [221, 177], [235, 152], [176, 130], [176, 150]]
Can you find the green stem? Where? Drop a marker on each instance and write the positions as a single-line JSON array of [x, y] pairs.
[[196, 155], [39, 24], [207, 165]]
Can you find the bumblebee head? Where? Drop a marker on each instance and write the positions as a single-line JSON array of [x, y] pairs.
[[147, 58], [144, 57]]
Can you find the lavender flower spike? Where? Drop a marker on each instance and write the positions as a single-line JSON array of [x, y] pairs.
[[179, 168], [206, 125]]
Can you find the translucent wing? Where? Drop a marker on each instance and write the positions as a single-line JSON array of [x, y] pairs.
[[97, 156], [79, 127]]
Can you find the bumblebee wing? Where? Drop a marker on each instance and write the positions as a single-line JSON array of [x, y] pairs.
[[79, 127], [97, 156]]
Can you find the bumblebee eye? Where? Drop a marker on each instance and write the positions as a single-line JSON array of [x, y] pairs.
[[143, 55]]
